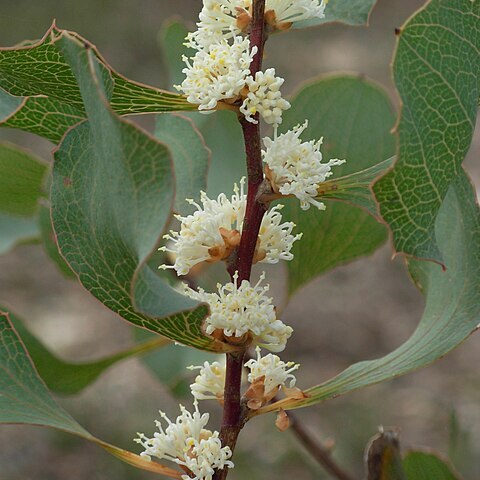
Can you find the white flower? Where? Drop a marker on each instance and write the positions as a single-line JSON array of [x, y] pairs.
[[223, 19], [244, 310], [296, 10], [264, 97], [275, 371], [276, 238], [210, 382], [217, 72], [209, 233], [186, 442], [213, 232], [296, 168], [218, 21]]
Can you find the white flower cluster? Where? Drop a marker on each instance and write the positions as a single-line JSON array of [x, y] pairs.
[[241, 314], [220, 68], [275, 371], [213, 232], [223, 19], [244, 311], [187, 443], [295, 167], [217, 72], [264, 97]]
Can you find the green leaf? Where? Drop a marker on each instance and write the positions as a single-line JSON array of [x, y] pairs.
[[190, 155], [169, 364], [351, 12], [16, 231], [47, 236], [383, 457], [452, 310], [355, 188], [221, 131], [69, 378], [355, 117], [53, 102], [436, 72], [112, 194], [46, 117], [172, 38], [21, 178], [24, 398], [427, 466], [8, 104]]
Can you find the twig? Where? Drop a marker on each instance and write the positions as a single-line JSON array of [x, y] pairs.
[[317, 450]]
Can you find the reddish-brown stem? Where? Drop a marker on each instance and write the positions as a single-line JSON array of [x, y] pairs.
[[255, 210], [233, 415]]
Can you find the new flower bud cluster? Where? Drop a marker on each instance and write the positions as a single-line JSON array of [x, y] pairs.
[[220, 68]]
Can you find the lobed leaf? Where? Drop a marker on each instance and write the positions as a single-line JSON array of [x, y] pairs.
[[436, 71], [355, 117], [452, 310], [25, 399], [50, 100], [112, 193]]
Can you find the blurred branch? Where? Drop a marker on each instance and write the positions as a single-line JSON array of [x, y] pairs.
[[321, 454]]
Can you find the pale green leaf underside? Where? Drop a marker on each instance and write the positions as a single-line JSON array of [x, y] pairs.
[[354, 117], [452, 309], [190, 155], [112, 193], [24, 398], [437, 74], [53, 102], [68, 378], [351, 12]]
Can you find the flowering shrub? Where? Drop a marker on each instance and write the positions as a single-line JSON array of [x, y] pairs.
[[115, 190]]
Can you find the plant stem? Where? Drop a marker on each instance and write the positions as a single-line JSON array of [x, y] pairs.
[[317, 450], [233, 414], [255, 210]]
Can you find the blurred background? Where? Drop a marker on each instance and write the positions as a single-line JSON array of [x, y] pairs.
[[438, 407]]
